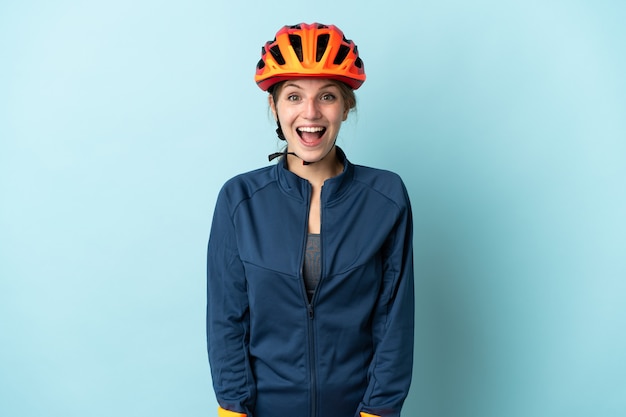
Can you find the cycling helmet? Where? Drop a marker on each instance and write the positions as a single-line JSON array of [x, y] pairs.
[[314, 50]]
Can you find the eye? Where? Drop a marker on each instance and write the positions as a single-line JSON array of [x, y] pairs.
[[328, 97], [293, 97]]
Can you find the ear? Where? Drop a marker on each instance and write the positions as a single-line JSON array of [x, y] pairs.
[[345, 114], [270, 100]]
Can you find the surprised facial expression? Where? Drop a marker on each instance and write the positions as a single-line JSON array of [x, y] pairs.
[[310, 111]]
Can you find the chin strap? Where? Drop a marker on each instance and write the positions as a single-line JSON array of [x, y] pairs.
[[279, 130], [285, 153]]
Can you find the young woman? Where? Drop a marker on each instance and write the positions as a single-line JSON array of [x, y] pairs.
[[310, 263]]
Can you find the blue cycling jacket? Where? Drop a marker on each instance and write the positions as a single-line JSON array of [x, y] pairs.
[[349, 351]]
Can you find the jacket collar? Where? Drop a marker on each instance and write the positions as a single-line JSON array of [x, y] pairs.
[[300, 188]]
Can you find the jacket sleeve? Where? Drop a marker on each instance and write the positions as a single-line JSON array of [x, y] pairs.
[[228, 316], [390, 371]]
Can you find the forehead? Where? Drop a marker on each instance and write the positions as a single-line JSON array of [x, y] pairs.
[[311, 84]]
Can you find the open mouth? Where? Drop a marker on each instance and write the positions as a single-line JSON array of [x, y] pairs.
[[310, 134]]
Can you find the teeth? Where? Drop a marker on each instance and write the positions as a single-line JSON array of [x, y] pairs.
[[310, 129]]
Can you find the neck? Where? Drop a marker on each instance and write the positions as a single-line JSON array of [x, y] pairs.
[[318, 172]]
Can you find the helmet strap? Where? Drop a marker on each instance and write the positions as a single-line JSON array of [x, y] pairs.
[[279, 131]]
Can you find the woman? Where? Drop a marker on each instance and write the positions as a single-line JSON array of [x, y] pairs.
[[310, 270]]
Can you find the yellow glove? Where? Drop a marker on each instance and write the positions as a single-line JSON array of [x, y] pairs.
[[225, 413]]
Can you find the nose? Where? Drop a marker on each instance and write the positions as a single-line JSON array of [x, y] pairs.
[[311, 110]]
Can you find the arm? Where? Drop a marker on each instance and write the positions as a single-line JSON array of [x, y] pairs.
[[228, 317], [390, 371]]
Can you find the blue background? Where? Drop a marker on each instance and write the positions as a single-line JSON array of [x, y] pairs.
[[120, 121]]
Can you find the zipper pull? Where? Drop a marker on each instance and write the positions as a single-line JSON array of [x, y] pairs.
[[311, 312]]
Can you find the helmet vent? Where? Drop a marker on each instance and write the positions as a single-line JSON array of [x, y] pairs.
[[322, 43], [275, 50], [341, 54], [296, 44]]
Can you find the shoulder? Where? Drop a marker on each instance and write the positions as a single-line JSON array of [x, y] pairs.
[[366, 173], [244, 186], [385, 182]]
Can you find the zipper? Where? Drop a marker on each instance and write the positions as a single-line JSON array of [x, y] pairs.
[[311, 314], [312, 363]]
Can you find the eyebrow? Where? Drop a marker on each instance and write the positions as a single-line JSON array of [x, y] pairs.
[[292, 84]]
